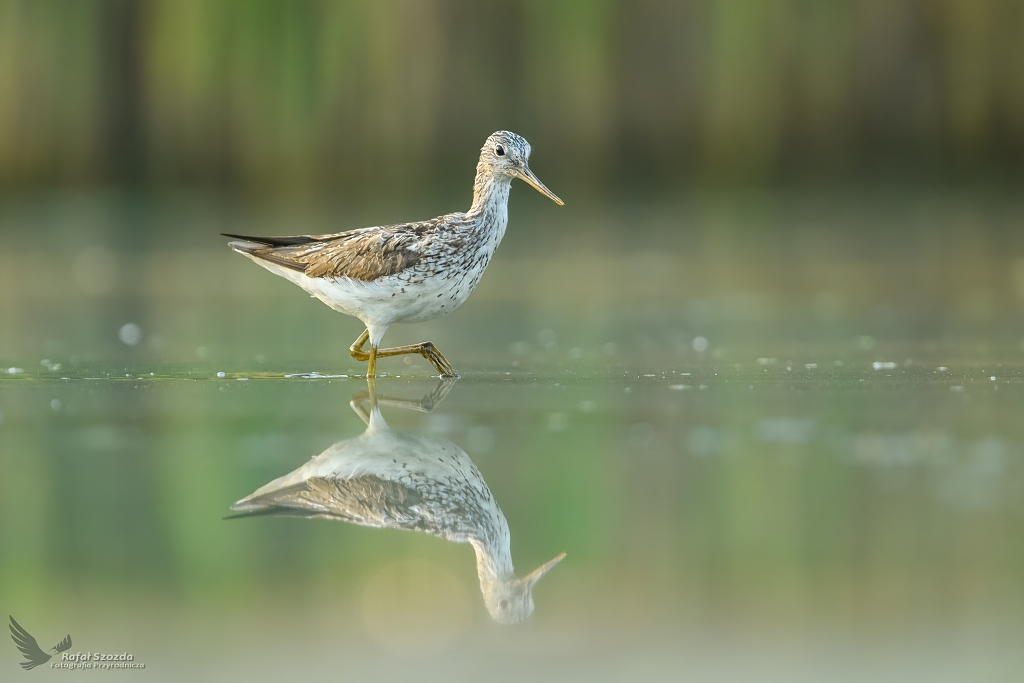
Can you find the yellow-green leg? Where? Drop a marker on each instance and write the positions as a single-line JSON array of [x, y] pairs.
[[425, 349]]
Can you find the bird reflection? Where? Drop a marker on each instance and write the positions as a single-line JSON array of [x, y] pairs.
[[418, 482]]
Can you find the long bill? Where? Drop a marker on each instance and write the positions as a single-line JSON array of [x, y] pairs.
[[533, 181], [534, 576]]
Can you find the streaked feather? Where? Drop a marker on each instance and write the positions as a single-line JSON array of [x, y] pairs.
[[366, 254]]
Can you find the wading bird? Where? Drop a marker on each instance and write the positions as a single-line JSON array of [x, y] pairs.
[[417, 482], [406, 273]]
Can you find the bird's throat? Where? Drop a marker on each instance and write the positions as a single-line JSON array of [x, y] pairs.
[[490, 194], [489, 214]]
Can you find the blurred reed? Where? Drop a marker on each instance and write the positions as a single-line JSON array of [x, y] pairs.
[[311, 96]]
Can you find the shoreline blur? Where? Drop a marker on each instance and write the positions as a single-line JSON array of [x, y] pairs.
[[304, 98]]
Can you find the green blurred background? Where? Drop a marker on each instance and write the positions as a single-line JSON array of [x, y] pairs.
[[730, 168], [344, 98], [760, 377]]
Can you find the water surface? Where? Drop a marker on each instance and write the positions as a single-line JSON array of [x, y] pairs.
[[772, 445]]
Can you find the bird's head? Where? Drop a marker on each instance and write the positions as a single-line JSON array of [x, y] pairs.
[[511, 601], [506, 153]]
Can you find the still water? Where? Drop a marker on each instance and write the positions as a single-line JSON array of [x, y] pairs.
[[766, 456]]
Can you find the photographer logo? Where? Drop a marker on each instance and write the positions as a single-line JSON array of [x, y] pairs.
[[35, 656]]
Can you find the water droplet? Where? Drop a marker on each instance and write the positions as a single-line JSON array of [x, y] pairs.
[[130, 334]]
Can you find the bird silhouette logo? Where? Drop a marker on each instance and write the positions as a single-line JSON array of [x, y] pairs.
[[30, 648]]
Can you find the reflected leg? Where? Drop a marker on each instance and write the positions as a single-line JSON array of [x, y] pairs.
[[424, 405]]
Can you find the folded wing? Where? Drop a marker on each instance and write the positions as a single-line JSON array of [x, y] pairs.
[[366, 254]]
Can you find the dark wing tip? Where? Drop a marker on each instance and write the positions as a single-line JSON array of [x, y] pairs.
[[294, 241]]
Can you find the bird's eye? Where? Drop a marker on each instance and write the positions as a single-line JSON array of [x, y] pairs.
[[504, 603], [499, 150]]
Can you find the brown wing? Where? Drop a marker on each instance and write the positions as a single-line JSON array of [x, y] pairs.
[[365, 254]]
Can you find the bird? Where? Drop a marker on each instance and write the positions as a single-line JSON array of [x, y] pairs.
[[30, 648], [410, 272], [418, 482]]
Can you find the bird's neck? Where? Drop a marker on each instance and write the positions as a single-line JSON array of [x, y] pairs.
[[494, 554], [490, 198]]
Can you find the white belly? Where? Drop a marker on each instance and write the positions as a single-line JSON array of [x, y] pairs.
[[395, 299]]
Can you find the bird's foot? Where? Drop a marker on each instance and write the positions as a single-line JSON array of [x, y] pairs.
[[441, 364]]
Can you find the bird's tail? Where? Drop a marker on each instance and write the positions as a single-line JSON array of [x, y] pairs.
[[245, 247], [266, 253]]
